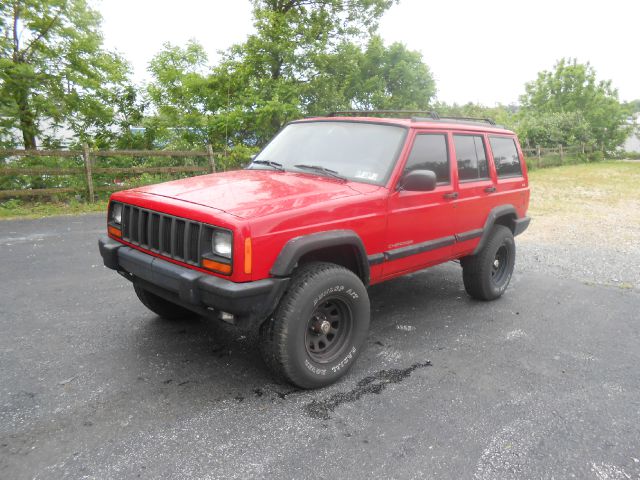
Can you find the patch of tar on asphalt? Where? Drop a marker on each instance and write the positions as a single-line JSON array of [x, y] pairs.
[[375, 384]]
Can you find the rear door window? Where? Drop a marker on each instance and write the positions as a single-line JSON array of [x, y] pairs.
[[505, 156], [429, 152], [471, 157]]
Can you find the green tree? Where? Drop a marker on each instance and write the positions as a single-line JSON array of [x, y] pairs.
[[306, 58], [180, 93], [634, 105], [551, 129], [272, 77], [501, 114], [54, 69], [392, 78], [573, 88]]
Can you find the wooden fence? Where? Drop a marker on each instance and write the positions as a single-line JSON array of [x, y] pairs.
[[89, 169], [537, 157]]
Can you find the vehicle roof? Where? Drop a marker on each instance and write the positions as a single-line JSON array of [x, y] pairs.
[[417, 123]]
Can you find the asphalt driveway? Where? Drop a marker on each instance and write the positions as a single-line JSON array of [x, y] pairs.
[[543, 383]]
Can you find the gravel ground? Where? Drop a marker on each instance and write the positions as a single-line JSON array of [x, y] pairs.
[[585, 224], [598, 265]]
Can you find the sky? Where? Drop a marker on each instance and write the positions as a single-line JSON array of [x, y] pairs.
[[478, 51]]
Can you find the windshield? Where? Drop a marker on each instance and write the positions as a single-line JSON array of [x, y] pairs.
[[362, 152]]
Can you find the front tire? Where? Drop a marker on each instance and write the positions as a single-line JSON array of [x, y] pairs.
[[160, 306], [319, 327], [487, 274]]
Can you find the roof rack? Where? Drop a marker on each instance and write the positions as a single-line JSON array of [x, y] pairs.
[[429, 116], [490, 121], [404, 113]]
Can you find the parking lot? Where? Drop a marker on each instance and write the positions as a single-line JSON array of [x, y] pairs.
[[543, 383]]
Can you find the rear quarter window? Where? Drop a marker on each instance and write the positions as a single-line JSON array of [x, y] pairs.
[[505, 156]]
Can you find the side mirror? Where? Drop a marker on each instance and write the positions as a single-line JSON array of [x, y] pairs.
[[418, 181]]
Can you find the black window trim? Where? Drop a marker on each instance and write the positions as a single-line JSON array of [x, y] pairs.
[[511, 175], [486, 156], [445, 134]]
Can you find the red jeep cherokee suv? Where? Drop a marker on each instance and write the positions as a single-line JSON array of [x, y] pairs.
[[331, 205]]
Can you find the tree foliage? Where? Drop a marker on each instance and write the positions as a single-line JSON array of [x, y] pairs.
[[633, 106], [552, 129], [306, 57], [54, 70], [573, 105], [501, 114]]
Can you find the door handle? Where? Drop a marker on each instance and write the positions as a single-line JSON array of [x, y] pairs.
[[450, 196], [490, 189]]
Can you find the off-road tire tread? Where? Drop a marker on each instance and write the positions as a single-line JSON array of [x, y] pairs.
[[272, 339], [476, 272]]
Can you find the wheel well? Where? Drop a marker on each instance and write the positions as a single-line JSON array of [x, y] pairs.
[[507, 220], [344, 255]]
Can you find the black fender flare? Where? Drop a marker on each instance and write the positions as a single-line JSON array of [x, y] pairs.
[[297, 247], [495, 214]]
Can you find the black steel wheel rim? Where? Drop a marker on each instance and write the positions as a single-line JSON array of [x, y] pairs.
[[328, 330], [500, 266]]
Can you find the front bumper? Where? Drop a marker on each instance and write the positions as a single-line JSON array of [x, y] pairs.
[[207, 295]]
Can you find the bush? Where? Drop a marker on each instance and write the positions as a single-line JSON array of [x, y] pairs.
[[630, 155]]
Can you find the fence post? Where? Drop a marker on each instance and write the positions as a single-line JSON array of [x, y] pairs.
[[86, 156], [212, 159], [561, 154], [539, 155]]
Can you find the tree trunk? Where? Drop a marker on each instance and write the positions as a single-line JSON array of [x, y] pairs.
[[21, 92], [27, 120]]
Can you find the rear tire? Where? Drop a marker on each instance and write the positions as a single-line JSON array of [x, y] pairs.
[[487, 274], [319, 326], [160, 306]]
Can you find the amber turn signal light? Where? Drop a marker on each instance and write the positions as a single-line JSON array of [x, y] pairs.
[[114, 231], [218, 267]]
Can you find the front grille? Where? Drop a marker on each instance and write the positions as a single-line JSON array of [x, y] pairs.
[[166, 235]]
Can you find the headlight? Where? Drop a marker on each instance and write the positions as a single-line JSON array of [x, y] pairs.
[[116, 213], [221, 242]]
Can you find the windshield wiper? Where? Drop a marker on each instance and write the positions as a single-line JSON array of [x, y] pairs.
[[319, 169], [269, 163]]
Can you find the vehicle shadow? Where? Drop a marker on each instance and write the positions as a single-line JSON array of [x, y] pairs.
[[209, 354]]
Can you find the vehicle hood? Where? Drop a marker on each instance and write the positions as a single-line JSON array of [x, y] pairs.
[[254, 193]]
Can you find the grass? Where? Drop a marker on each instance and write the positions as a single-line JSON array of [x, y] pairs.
[[605, 183], [19, 209], [587, 203]]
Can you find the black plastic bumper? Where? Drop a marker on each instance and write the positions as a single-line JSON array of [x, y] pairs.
[[520, 225], [249, 302]]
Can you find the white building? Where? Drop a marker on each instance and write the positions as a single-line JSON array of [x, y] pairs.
[[632, 143]]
